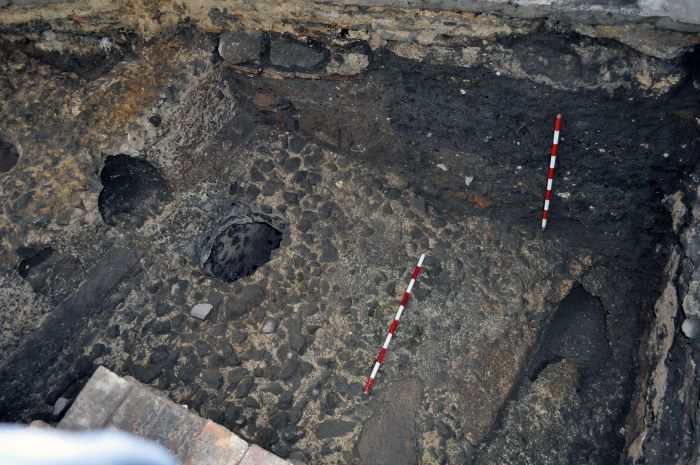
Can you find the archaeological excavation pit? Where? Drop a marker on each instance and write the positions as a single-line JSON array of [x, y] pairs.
[[291, 169]]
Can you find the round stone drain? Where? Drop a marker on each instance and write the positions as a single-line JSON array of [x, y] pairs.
[[8, 156], [241, 248], [133, 191]]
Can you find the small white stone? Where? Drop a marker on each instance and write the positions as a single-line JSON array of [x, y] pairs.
[[690, 328], [665, 155], [201, 310], [60, 406], [462, 91], [270, 326], [564, 195], [39, 424], [601, 150], [106, 44], [468, 180], [174, 288], [442, 167]]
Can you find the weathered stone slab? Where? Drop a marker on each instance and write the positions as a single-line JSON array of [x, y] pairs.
[[97, 402], [258, 456], [152, 417], [108, 401], [216, 445]]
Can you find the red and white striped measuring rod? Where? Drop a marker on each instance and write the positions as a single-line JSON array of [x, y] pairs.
[[392, 328], [550, 174]]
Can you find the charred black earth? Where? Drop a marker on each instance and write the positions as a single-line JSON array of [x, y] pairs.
[[296, 199]]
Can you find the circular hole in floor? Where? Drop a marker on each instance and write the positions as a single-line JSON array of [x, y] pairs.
[[241, 249], [133, 191]]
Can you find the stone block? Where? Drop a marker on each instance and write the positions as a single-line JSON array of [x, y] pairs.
[[108, 401], [215, 445], [97, 402], [258, 456], [237, 47], [153, 417], [292, 54]]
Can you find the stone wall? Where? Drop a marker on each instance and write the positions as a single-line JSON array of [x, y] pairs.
[[594, 49], [682, 11], [662, 421]]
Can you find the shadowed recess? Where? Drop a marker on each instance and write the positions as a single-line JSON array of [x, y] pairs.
[[133, 191], [241, 249], [8, 156]]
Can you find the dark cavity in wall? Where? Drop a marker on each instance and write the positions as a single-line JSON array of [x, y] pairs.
[[576, 333], [241, 249], [8, 156], [133, 191]]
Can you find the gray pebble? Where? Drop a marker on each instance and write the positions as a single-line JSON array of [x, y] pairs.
[[244, 387], [213, 378], [239, 47], [236, 376], [269, 188], [201, 310], [290, 165], [60, 406], [297, 144], [270, 326], [691, 328], [291, 198]]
